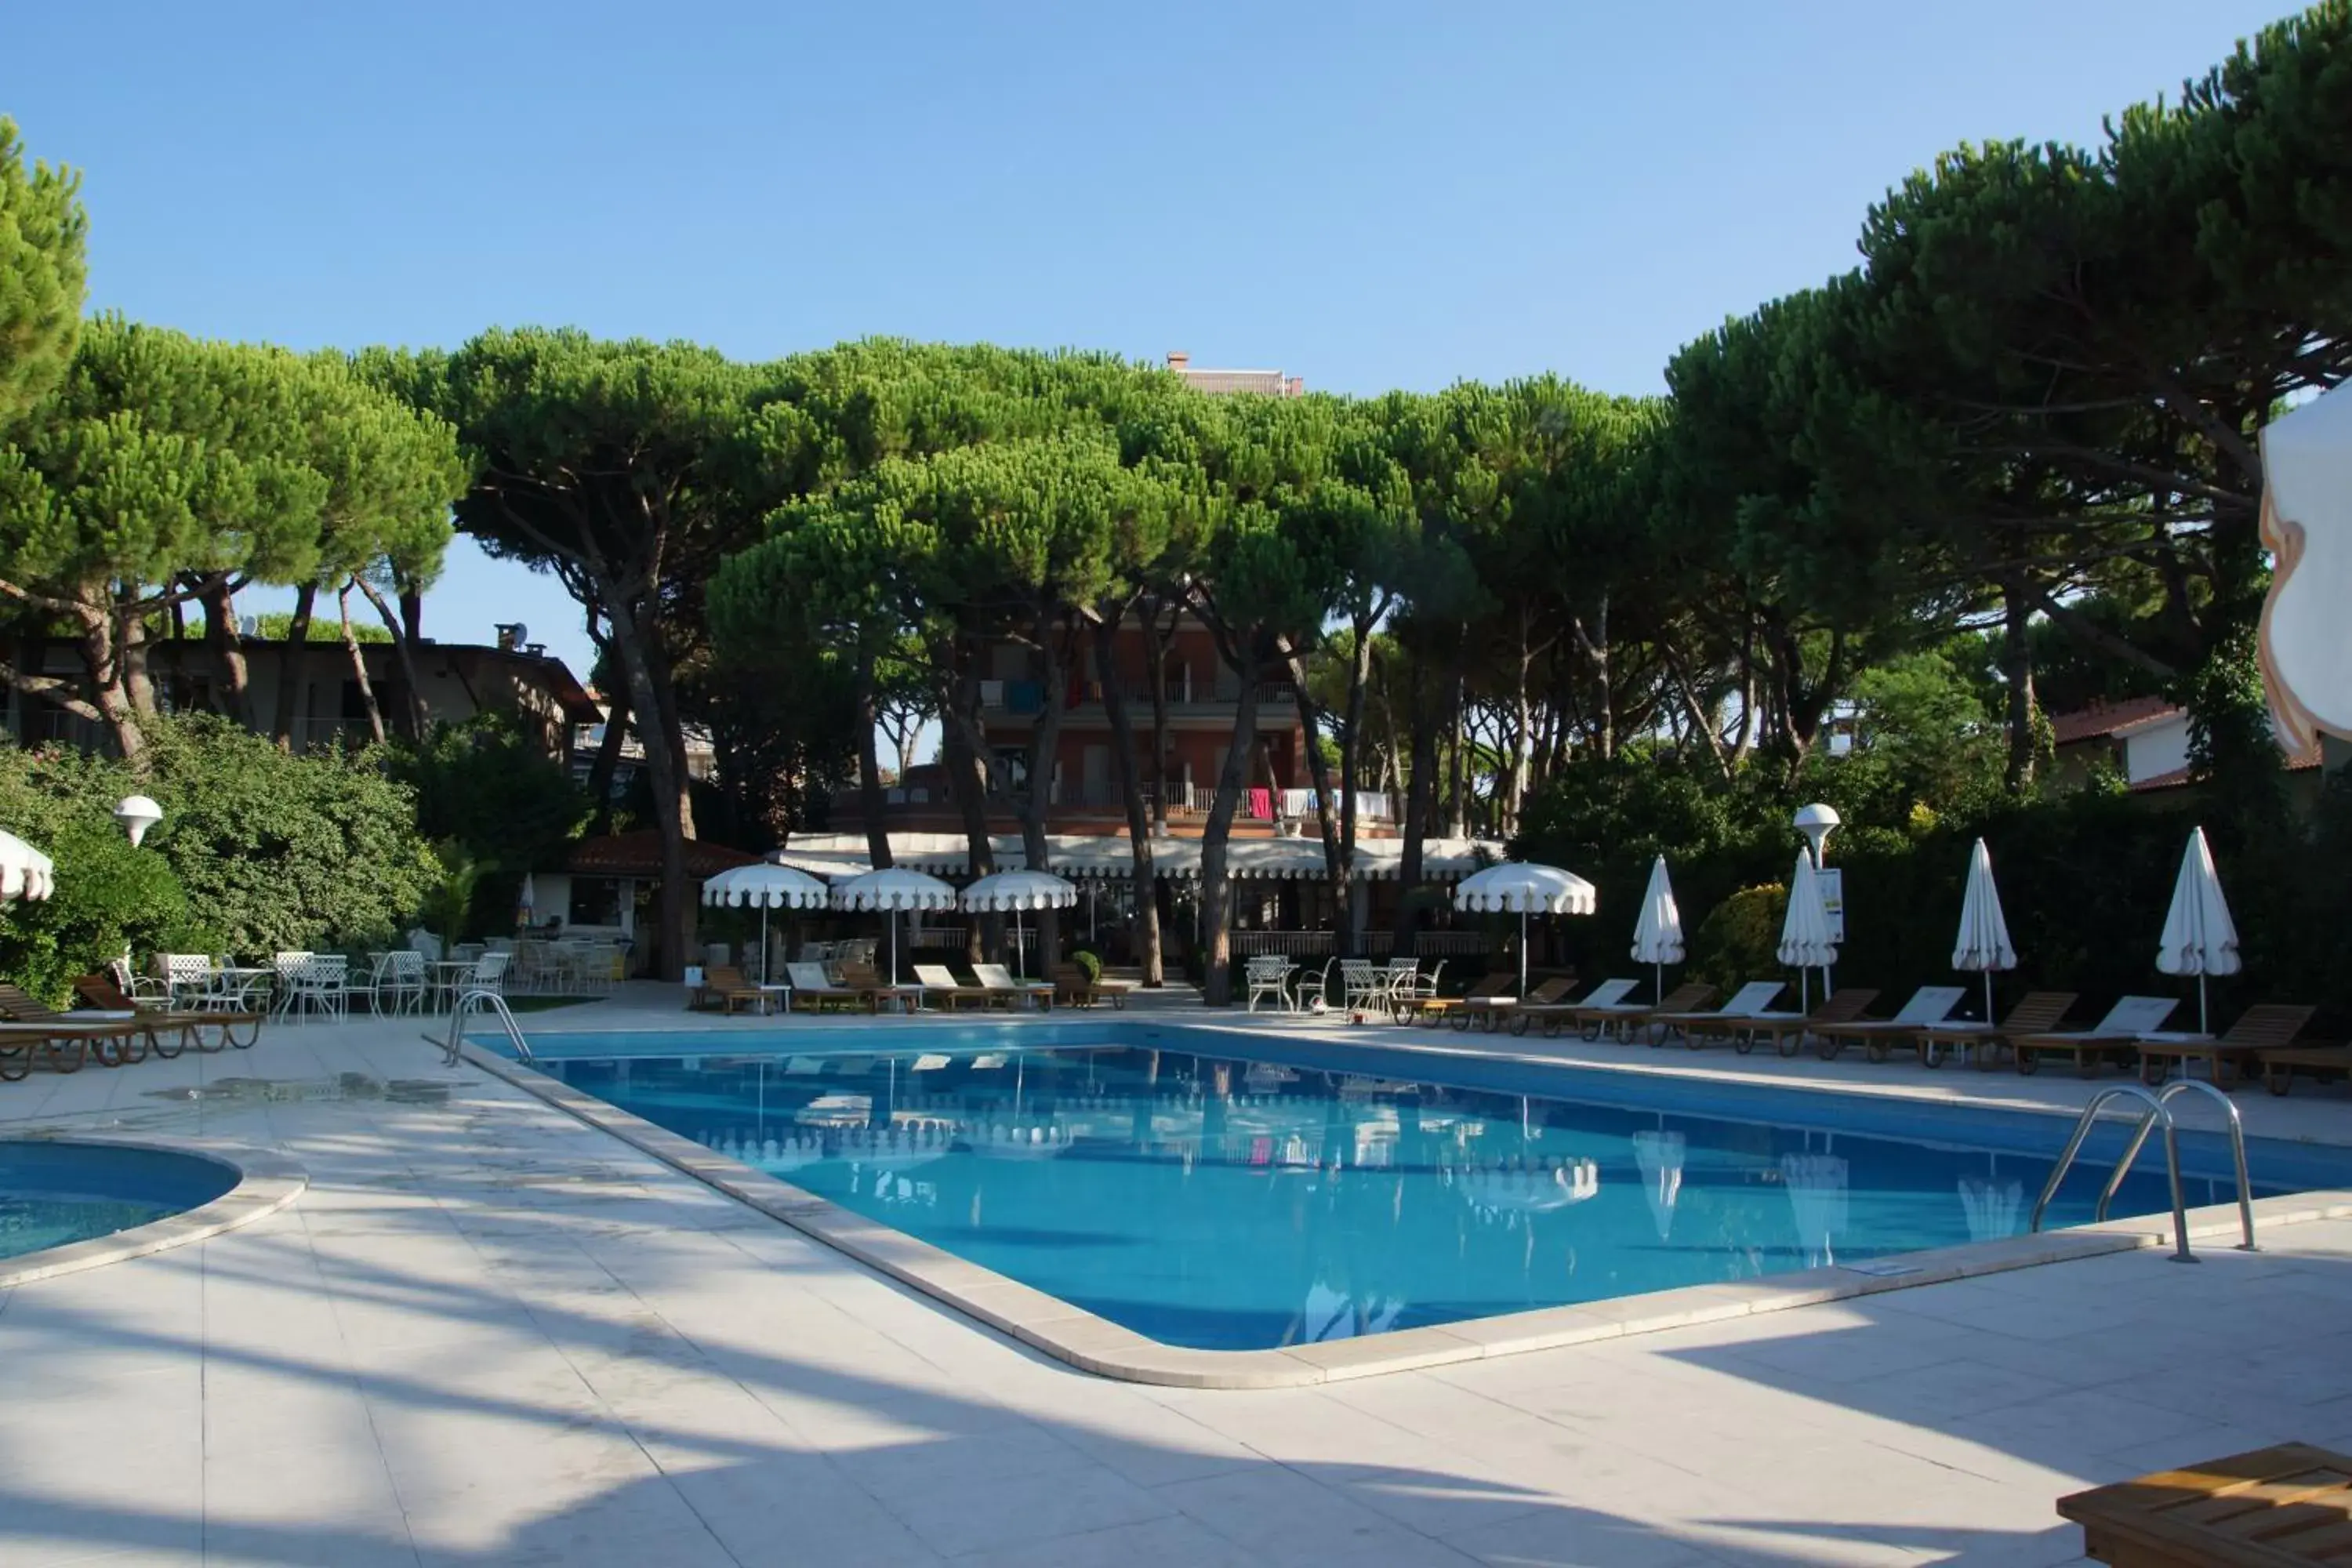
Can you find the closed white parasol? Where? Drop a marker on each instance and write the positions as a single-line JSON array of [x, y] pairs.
[[893, 891], [1522, 888], [1983, 945], [1658, 934], [1017, 891], [1805, 942], [25, 872], [2200, 937], [765, 887]]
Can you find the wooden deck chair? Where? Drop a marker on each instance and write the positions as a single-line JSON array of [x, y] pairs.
[[1787, 1031], [1745, 1003], [1433, 1010], [999, 979], [939, 984], [2271, 1026], [1553, 1015], [2112, 1038], [1622, 1019], [1492, 1011], [2036, 1012], [1928, 1005], [813, 990], [105, 994], [34, 1031]]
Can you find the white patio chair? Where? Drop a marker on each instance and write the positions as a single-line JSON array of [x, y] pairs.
[[1363, 986], [400, 983], [187, 977], [285, 967], [321, 984], [1269, 975], [490, 974]]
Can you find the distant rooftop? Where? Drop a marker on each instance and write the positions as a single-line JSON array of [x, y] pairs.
[[1270, 383]]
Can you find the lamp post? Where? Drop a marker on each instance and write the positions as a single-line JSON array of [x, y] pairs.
[[1817, 822], [137, 813]]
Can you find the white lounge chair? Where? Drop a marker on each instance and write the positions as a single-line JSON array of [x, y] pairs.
[[2120, 1030], [1752, 1001], [1000, 981], [1608, 997], [811, 988], [940, 983]]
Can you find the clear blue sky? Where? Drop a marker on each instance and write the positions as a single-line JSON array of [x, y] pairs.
[[1368, 196]]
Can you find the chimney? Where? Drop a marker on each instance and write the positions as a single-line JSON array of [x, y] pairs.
[[1179, 360]]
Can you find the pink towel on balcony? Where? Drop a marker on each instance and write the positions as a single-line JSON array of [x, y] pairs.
[[1261, 805]]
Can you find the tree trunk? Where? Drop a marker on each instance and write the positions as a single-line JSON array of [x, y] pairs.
[[411, 613], [403, 650], [1458, 769], [1045, 748], [1130, 788], [221, 636], [1216, 884], [102, 656], [358, 666], [961, 750], [1338, 849], [289, 663], [673, 909], [1421, 781], [2017, 668], [869, 769], [1155, 649], [608, 760]]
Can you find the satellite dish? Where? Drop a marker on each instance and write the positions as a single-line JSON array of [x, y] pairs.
[[523, 634]]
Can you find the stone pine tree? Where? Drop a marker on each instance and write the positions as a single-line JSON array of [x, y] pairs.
[[42, 273]]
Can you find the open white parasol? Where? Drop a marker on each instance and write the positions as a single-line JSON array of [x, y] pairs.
[[766, 887], [1523, 887], [1018, 891]]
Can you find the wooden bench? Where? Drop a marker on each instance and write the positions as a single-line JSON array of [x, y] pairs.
[[2281, 1507]]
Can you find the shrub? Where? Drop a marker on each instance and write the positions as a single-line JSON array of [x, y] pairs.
[[486, 788], [1739, 940], [110, 898], [1089, 963]]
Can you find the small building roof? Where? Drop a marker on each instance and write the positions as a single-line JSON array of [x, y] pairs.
[[638, 853], [2111, 719]]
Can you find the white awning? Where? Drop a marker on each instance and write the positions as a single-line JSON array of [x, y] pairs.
[[1110, 856]]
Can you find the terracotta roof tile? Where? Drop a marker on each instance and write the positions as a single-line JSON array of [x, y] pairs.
[[2108, 717]]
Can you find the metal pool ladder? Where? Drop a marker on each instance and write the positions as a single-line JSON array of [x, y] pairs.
[[478, 1000], [2157, 1111]]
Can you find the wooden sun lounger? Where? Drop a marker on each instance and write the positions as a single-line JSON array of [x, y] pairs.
[[100, 992], [1787, 1031], [2035, 1013], [1623, 1018], [2280, 1064], [32, 1029], [1432, 1011], [724, 985], [2115, 1036], [1071, 988], [813, 990], [2273, 1507], [1551, 1014], [1928, 1005], [937, 980], [999, 979], [2270, 1026], [1746, 1004], [877, 993], [1492, 1010]]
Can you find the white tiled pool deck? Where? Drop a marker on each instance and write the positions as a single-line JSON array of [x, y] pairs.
[[490, 1335]]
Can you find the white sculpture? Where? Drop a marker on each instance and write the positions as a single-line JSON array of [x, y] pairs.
[[2306, 522]]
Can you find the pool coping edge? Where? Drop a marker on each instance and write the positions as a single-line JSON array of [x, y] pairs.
[[1092, 1343], [268, 1181]]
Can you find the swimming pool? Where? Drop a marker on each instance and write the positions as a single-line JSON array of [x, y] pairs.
[[53, 1194], [1219, 1190]]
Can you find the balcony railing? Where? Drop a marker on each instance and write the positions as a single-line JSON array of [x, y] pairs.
[[1371, 805]]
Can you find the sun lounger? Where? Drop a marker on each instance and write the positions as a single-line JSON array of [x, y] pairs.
[[2035, 1013], [1745, 1003], [1432, 1011], [877, 993], [723, 986], [1553, 1015], [1787, 1031], [2115, 1035], [1071, 988], [1621, 1019], [116, 1037], [2273, 1508], [2269, 1025], [999, 979], [1928, 1005], [2280, 1064], [102, 994], [1492, 1010], [814, 991], [938, 984]]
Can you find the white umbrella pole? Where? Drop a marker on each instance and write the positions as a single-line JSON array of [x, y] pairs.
[[1988, 973], [1523, 953], [763, 946], [2203, 1027], [1657, 983]]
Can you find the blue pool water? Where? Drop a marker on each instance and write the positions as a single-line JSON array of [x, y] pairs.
[[53, 1193], [1209, 1197]]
